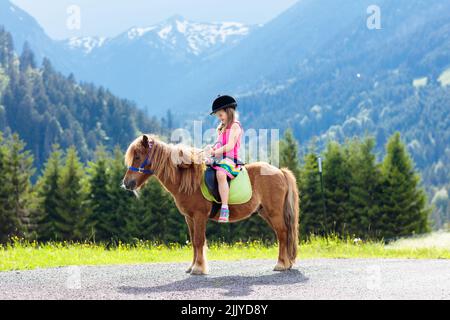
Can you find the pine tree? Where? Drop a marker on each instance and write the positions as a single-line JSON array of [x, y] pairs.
[[71, 209], [49, 197], [8, 221], [168, 123], [27, 58], [403, 207], [312, 219], [6, 49], [15, 193], [289, 153], [100, 222], [121, 200], [364, 188], [337, 181]]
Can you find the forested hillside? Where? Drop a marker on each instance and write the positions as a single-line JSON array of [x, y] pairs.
[[74, 201], [45, 107]]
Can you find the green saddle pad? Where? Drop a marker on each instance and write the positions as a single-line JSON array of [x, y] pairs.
[[240, 189]]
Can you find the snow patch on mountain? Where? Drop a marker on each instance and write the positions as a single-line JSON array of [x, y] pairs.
[[138, 32], [195, 36], [164, 33], [205, 36], [86, 44]]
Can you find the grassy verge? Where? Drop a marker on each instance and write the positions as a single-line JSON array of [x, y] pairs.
[[20, 255]]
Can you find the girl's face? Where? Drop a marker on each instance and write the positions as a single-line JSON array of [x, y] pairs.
[[221, 115]]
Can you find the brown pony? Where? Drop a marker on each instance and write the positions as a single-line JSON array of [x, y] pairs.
[[180, 170]]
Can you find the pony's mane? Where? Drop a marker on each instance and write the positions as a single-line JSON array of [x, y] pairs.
[[187, 173]]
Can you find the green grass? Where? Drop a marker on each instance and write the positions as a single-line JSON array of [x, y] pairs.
[[21, 255]]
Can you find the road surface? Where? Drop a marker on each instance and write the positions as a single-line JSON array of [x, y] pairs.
[[246, 279]]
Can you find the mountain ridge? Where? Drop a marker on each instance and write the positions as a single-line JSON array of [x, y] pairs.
[[176, 25]]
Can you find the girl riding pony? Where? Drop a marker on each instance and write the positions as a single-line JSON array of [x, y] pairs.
[[225, 152]]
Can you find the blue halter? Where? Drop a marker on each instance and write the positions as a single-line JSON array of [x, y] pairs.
[[142, 169]]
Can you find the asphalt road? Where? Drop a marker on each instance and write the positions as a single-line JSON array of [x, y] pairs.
[[246, 279]]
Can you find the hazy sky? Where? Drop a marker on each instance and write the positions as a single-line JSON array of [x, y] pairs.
[[110, 17]]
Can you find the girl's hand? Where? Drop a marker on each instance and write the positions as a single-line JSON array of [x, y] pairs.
[[208, 161], [208, 150]]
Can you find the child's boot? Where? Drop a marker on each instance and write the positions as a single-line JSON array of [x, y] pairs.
[[224, 214]]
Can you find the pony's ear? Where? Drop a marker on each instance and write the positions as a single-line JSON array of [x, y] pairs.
[[145, 142], [184, 159]]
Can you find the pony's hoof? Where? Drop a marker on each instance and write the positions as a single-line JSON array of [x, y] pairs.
[[188, 270], [281, 267], [198, 271]]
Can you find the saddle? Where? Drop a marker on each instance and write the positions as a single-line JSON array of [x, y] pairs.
[[240, 189]]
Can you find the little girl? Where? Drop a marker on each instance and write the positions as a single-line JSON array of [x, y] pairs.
[[225, 151]]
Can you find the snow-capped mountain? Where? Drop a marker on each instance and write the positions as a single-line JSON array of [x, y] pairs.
[[193, 37], [147, 63], [135, 63], [175, 33]]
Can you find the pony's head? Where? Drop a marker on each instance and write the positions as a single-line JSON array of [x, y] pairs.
[[138, 162], [176, 164]]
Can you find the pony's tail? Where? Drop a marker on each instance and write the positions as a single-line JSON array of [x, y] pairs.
[[291, 214]]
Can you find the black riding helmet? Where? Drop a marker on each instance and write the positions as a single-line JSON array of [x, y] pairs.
[[223, 102]]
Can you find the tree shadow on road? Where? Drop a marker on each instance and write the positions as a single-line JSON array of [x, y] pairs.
[[235, 285]]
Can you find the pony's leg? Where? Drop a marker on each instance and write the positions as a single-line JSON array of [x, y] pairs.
[[276, 221], [282, 236], [200, 264], [190, 224]]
